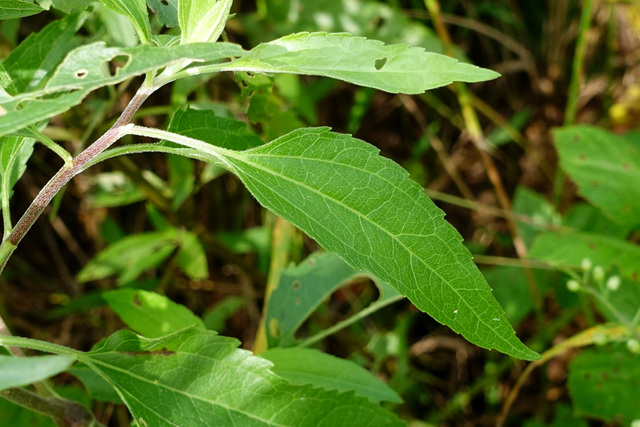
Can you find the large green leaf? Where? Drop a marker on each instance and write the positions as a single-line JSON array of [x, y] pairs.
[[36, 58], [309, 366], [302, 288], [21, 371], [136, 12], [197, 378], [394, 68], [366, 209], [149, 313], [604, 384], [569, 249], [606, 168], [202, 20], [87, 68], [17, 9]]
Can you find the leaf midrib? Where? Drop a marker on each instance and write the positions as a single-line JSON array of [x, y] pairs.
[[239, 156]]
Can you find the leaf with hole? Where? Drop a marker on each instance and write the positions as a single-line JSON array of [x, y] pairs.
[[86, 68], [395, 68], [36, 58]]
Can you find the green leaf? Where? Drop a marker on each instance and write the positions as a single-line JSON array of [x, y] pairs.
[[69, 6], [202, 21], [97, 386], [606, 168], [535, 206], [309, 366], [150, 314], [136, 11], [192, 257], [37, 57], [303, 288], [21, 371], [18, 9], [604, 384], [393, 68], [14, 153], [569, 249], [87, 68], [210, 382], [131, 256], [219, 131], [165, 10], [216, 317], [365, 208]]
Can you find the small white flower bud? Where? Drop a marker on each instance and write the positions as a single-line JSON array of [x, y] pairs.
[[586, 264], [613, 283], [633, 345], [573, 285], [598, 273], [635, 423], [600, 339]]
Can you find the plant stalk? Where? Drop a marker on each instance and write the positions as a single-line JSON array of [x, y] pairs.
[[67, 172], [65, 413]]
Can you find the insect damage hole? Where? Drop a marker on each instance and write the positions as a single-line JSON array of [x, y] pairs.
[[380, 63], [81, 73]]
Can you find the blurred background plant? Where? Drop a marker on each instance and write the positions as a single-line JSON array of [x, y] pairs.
[[551, 215]]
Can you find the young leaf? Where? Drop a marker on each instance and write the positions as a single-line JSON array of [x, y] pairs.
[[366, 209], [302, 289], [192, 256], [569, 249], [219, 131], [15, 151], [149, 313], [18, 9], [201, 21], [210, 382], [394, 68], [131, 256], [309, 366], [136, 11], [606, 168], [21, 371]]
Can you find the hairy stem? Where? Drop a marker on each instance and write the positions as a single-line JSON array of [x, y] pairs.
[[67, 172], [64, 412]]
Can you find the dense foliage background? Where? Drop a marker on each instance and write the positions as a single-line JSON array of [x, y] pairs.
[[490, 154]]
